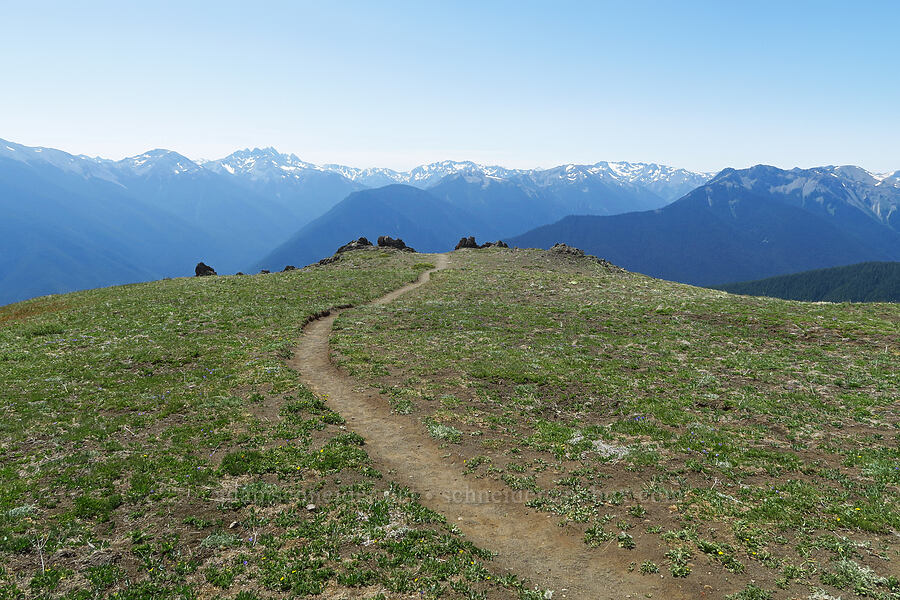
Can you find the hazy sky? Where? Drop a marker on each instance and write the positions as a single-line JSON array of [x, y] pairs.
[[702, 85]]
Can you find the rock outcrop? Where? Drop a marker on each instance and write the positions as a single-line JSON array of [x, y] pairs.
[[204, 270], [466, 242], [564, 250], [568, 250], [386, 241], [469, 242], [355, 245]]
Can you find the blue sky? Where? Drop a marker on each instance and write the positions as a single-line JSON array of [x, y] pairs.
[[702, 85]]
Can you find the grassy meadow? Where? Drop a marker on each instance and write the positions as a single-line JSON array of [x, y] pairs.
[[153, 444], [688, 433]]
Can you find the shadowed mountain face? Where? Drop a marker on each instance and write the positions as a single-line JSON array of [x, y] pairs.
[[746, 224], [425, 222], [62, 231], [75, 222]]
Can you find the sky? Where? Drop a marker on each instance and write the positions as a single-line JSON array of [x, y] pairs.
[[699, 85]]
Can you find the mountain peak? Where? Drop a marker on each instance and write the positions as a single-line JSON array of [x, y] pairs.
[[262, 163], [159, 161]]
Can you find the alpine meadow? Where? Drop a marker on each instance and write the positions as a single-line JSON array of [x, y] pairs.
[[464, 301]]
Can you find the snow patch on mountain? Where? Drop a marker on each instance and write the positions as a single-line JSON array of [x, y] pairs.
[[262, 164]]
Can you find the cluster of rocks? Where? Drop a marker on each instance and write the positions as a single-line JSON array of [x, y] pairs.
[[469, 242], [329, 259], [354, 245], [571, 251], [568, 250], [204, 270], [385, 241]]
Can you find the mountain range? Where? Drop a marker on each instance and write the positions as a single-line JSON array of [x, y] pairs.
[[74, 221], [746, 224]]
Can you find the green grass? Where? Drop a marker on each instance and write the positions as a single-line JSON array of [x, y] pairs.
[[762, 430], [153, 444]]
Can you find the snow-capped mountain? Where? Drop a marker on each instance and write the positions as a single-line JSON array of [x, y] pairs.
[[667, 182], [304, 189], [157, 163], [892, 179], [423, 176], [825, 190], [84, 166], [601, 188], [262, 163], [746, 224]]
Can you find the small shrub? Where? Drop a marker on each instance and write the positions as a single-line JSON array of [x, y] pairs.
[[445, 432], [648, 567], [679, 558], [751, 592], [626, 541], [637, 511], [596, 535]]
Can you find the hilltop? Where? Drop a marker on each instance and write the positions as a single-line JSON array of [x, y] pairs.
[[166, 440]]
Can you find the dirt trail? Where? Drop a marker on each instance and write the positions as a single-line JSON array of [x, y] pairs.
[[528, 543]]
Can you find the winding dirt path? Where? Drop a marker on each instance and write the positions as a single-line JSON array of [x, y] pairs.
[[491, 515]]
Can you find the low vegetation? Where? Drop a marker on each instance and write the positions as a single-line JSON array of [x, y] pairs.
[[748, 442], [154, 445]]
